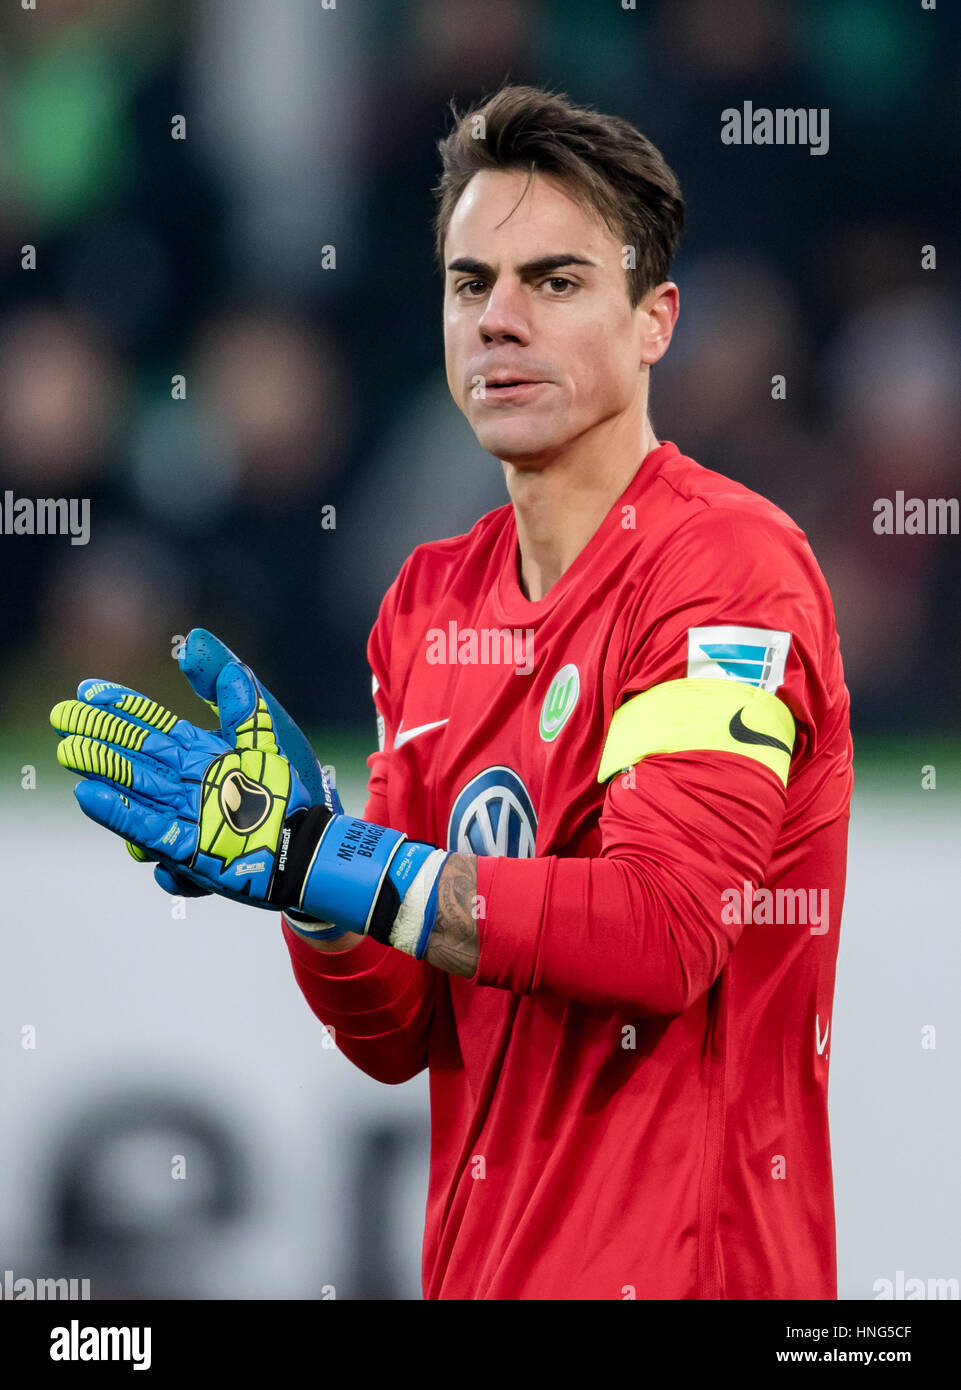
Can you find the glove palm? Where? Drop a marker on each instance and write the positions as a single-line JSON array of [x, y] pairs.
[[211, 805]]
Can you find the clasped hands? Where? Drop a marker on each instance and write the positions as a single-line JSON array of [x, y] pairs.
[[231, 812]]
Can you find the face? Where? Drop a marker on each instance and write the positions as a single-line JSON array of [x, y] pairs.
[[536, 293]]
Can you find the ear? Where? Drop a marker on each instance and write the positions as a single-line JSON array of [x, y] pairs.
[[660, 306]]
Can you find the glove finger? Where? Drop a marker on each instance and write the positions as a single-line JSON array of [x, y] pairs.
[[130, 703], [203, 658], [165, 730], [151, 829], [153, 785], [145, 732], [154, 753], [108, 718], [244, 717], [93, 721], [94, 759], [178, 884]]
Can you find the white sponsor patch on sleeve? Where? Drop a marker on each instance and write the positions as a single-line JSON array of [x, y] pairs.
[[753, 655]]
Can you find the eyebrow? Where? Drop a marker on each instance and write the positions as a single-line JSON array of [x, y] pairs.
[[540, 266]]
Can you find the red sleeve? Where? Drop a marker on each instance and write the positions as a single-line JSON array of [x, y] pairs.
[[378, 1002], [640, 928], [378, 656]]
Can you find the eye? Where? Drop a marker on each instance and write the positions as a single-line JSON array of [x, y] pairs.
[[561, 280], [468, 283]]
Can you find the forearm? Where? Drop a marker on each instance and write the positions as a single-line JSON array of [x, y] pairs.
[[454, 944]]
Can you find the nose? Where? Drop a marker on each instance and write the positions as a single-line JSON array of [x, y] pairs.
[[505, 316]]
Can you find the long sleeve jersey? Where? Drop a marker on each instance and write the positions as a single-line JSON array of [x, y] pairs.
[[653, 765]]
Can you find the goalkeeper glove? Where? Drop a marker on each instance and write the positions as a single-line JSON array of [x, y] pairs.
[[232, 812], [202, 657]]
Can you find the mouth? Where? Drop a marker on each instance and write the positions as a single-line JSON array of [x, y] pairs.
[[510, 390]]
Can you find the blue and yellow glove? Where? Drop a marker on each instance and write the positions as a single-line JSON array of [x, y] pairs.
[[202, 657], [229, 811]]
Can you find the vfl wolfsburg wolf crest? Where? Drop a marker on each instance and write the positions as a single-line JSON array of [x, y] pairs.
[[559, 701]]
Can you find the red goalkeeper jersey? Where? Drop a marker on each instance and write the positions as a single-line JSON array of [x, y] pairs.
[[653, 763]]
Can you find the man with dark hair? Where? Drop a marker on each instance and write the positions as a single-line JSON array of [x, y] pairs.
[[613, 724], [628, 1052]]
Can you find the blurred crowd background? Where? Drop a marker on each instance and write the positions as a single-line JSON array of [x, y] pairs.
[[312, 385]]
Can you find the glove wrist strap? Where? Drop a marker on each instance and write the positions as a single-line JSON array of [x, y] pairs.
[[361, 877], [344, 873], [299, 838]]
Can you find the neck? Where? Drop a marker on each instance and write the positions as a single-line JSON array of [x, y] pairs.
[[558, 508]]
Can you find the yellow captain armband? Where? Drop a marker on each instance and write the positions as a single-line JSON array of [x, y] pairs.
[[717, 716]]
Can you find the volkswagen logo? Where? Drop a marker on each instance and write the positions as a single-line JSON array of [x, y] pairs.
[[493, 815]]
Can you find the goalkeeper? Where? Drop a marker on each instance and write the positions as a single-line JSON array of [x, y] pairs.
[[583, 890]]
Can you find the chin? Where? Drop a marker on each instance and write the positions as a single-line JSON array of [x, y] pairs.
[[514, 445], [520, 458]]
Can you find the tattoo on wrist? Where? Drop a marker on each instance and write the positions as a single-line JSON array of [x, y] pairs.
[[454, 943]]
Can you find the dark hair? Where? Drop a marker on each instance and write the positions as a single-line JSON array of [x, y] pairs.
[[605, 162]]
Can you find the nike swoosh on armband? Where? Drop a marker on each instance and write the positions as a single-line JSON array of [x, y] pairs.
[[743, 734], [700, 714]]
